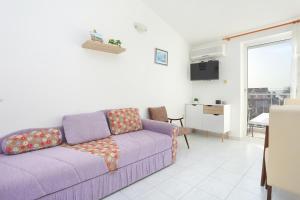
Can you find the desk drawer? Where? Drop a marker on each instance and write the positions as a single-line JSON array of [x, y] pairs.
[[213, 109]]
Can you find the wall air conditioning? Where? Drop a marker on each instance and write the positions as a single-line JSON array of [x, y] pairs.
[[208, 51]]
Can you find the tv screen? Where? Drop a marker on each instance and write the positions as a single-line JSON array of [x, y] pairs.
[[205, 70]]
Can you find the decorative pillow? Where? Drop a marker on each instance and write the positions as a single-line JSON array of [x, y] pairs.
[[85, 127], [32, 140], [124, 120]]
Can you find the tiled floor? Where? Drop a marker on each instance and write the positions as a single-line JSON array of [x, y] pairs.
[[209, 170]]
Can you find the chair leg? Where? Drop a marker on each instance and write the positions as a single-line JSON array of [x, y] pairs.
[[181, 123], [186, 140], [269, 195], [263, 173]]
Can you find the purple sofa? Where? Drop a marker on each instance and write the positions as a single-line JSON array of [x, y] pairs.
[[68, 174]]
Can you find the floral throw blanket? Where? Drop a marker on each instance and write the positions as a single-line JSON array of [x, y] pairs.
[[175, 132], [106, 148]]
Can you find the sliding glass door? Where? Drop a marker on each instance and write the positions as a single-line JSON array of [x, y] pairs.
[[269, 81]]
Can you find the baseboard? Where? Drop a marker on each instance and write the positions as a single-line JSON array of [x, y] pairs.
[[212, 134]]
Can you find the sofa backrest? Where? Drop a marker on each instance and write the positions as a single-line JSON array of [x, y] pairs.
[[31, 129], [85, 127]]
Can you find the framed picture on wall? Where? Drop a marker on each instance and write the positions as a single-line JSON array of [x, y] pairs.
[[161, 57]]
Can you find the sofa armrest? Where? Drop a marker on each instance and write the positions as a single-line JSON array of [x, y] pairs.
[[157, 126]]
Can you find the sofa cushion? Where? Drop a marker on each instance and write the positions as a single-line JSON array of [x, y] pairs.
[[85, 127], [124, 120], [35, 174], [141, 144], [31, 140]]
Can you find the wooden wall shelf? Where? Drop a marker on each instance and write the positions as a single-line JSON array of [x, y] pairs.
[[99, 46]]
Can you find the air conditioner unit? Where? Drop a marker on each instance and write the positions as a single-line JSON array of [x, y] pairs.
[[207, 52]]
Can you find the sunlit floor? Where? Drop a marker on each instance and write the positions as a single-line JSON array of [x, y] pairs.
[[209, 170], [257, 133]]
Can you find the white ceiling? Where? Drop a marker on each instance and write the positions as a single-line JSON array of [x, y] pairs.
[[204, 20]]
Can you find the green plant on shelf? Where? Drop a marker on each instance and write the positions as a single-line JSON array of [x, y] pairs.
[[115, 42]]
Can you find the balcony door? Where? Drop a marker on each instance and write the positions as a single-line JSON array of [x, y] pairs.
[[269, 81]]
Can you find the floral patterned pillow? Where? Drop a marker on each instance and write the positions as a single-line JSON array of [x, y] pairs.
[[124, 120], [31, 140]]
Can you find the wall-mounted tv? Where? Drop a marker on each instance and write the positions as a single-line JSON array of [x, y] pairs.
[[205, 70]]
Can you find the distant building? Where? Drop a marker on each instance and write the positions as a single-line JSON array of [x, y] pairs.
[[260, 99]]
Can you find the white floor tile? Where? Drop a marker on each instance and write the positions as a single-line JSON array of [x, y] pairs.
[[216, 188], [254, 173], [117, 196], [156, 178], [197, 194], [153, 194], [174, 188], [171, 170], [136, 189], [227, 177], [252, 186], [204, 168], [243, 195], [235, 166], [190, 177]]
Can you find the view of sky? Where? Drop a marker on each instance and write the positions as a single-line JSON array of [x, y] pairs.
[[270, 65]]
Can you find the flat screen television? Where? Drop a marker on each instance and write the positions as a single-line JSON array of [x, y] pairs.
[[205, 70]]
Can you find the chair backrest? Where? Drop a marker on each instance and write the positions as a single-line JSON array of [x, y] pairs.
[[292, 102], [283, 161], [158, 113]]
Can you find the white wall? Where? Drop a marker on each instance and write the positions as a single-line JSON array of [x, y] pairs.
[[233, 69], [45, 74], [209, 91]]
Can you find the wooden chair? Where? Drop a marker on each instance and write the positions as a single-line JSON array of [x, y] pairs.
[[160, 114]]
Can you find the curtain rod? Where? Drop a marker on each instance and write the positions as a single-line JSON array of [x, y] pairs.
[[227, 38]]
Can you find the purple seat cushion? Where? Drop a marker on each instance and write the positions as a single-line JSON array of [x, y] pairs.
[[138, 145], [85, 127], [35, 174]]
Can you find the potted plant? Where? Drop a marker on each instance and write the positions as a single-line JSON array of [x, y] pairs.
[[115, 42], [195, 100]]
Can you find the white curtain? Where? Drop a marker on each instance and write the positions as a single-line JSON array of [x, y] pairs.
[[296, 61]]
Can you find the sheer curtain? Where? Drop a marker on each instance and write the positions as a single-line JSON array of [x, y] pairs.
[[296, 61]]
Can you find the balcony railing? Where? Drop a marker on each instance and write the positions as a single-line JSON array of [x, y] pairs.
[[259, 103]]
